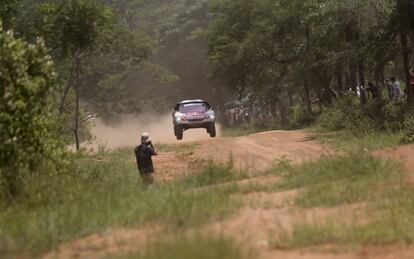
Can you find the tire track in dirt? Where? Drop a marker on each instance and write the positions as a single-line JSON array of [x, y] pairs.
[[257, 152]]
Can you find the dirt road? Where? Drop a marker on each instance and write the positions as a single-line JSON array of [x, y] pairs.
[[253, 153], [258, 151]]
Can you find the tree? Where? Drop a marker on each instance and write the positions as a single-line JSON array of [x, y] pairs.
[[27, 81], [254, 44], [7, 12], [73, 30]]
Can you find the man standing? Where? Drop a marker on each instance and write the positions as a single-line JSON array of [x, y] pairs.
[[398, 93], [144, 154]]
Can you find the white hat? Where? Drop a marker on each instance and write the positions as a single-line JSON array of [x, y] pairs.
[[145, 137]]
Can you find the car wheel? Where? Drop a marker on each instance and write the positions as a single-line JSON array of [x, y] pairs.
[[212, 130], [178, 132]]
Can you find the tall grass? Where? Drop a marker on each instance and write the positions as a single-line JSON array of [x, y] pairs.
[[98, 192], [329, 182], [213, 174], [334, 181], [369, 141], [190, 248]]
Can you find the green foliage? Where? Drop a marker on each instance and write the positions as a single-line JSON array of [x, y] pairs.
[[347, 114], [27, 80], [189, 248], [408, 136], [73, 26], [7, 12], [300, 117]]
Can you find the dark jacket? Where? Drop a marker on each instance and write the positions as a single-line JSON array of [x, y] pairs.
[[143, 154]]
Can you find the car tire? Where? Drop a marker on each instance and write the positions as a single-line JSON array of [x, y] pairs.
[[212, 130], [178, 132]]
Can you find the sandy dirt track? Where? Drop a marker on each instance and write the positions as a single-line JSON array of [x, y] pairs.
[[258, 151]]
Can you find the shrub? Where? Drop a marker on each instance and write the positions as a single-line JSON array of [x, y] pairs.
[[26, 79], [408, 136], [300, 117], [348, 114]]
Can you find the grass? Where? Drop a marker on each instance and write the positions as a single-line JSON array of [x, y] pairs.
[[392, 225], [178, 148], [348, 142], [331, 182], [189, 248], [98, 192], [213, 174], [334, 181]]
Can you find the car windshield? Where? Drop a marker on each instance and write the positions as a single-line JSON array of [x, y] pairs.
[[193, 107]]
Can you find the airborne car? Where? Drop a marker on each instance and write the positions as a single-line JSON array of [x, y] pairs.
[[193, 114]]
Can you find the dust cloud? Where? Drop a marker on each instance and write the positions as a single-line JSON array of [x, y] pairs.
[[125, 131]]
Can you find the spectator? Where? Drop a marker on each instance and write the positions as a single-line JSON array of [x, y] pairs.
[[144, 154], [396, 86], [373, 89]]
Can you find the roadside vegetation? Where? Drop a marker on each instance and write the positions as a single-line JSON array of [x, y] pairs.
[[189, 248], [101, 191], [377, 185]]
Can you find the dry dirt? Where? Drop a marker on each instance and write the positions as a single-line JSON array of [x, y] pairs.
[[258, 151], [254, 225]]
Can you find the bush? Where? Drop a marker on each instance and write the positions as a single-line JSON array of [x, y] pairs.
[[300, 117], [26, 79], [348, 114], [408, 136], [345, 114]]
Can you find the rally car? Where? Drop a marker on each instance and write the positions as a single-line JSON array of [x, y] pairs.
[[193, 114]]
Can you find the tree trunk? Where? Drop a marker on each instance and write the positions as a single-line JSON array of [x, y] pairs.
[[290, 98], [361, 73], [406, 62], [403, 7], [63, 99], [352, 76], [339, 77], [77, 93], [410, 10], [307, 95]]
